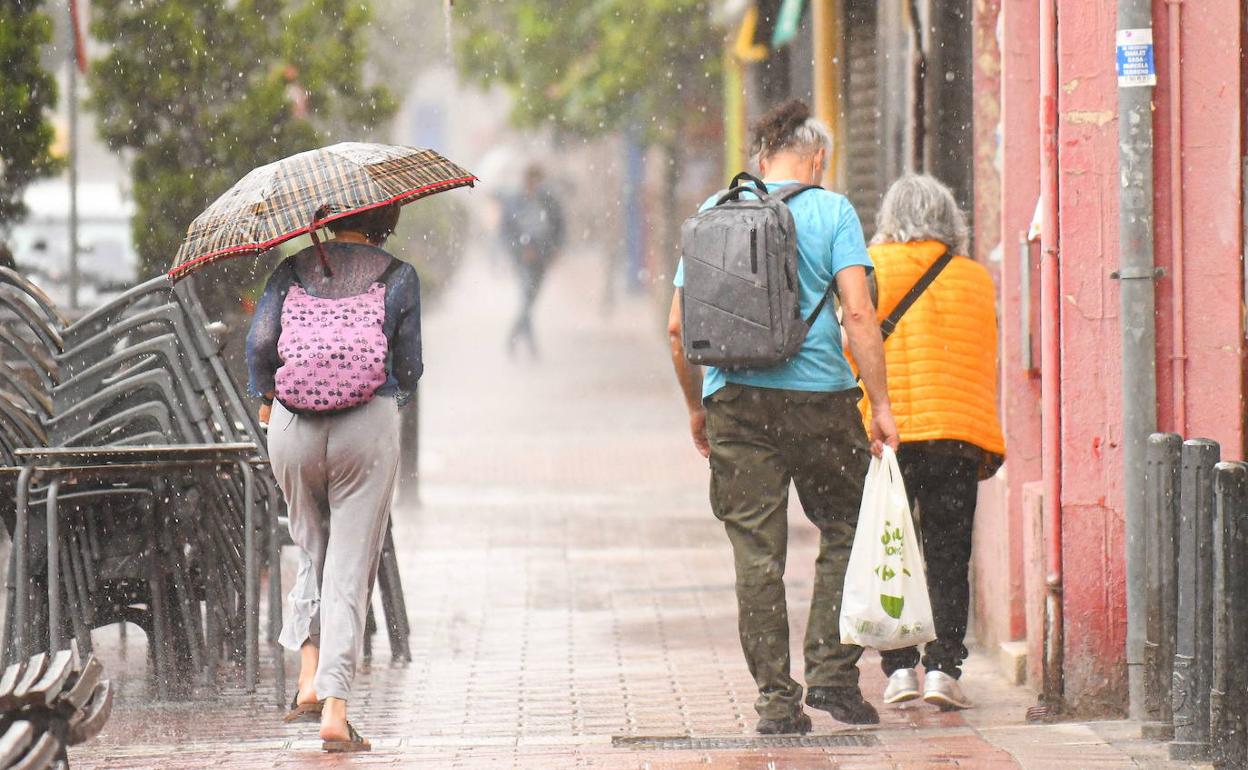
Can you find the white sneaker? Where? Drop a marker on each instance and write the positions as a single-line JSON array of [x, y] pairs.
[[903, 685], [942, 690]]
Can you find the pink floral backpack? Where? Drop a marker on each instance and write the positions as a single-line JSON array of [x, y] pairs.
[[333, 350]]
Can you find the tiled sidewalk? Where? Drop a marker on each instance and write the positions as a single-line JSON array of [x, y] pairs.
[[571, 597]]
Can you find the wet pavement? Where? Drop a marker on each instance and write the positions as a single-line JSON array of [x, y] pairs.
[[570, 594]]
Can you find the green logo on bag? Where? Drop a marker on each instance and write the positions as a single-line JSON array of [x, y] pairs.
[[892, 605], [892, 539]]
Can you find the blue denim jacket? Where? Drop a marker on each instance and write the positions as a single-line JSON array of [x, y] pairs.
[[355, 267]]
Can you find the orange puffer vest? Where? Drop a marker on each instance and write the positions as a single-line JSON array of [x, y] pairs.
[[942, 358]]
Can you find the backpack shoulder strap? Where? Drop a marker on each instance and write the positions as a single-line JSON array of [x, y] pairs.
[[831, 292], [395, 265], [790, 192], [889, 324], [786, 194], [289, 263]]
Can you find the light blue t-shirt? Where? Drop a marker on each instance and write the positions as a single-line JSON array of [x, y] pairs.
[[829, 239]]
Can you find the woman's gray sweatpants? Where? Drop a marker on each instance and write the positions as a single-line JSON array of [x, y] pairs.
[[337, 472]]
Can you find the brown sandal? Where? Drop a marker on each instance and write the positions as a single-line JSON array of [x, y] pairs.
[[356, 743], [303, 712]]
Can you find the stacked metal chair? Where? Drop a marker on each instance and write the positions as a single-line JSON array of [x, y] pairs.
[[48, 703], [28, 375], [167, 546], [174, 546]]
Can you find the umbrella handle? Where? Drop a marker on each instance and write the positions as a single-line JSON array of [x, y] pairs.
[[320, 214]]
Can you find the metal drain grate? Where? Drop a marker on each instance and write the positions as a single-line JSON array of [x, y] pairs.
[[687, 743]]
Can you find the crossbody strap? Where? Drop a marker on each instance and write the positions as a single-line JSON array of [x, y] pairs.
[[889, 324]]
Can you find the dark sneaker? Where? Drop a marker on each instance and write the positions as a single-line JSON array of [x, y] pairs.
[[797, 725], [845, 704]]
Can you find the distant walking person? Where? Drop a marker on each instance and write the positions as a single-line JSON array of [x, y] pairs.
[[533, 230], [334, 350], [942, 376], [796, 421]]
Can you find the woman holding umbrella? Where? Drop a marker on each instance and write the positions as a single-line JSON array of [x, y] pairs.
[[334, 347], [334, 350]]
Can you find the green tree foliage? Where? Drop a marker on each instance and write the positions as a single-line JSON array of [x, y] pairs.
[[201, 91], [595, 66], [26, 92]]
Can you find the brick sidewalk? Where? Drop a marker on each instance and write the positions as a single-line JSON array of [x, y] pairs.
[[571, 597]]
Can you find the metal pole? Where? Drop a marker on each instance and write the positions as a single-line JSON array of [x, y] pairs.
[[21, 607], [1024, 299], [409, 453], [251, 579], [826, 33], [949, 104], [1163, 514], [634, 209], [72, 154], [1174, 80], [1194, 638], [1139, 334], [1228, 717], [54, 566], [1051, 362], [735, 140]]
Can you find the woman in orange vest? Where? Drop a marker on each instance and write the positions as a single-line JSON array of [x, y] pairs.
[[942, 376]]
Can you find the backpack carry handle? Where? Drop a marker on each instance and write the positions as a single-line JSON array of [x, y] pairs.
[[735, 194], [735, 188], [746, 176]]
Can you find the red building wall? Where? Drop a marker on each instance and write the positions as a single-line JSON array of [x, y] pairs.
[[1011, 79], [1092, 494], [1212, 113], [998, 547], [1092, 529]]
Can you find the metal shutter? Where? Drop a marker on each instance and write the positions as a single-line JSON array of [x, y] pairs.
[[862, 111]]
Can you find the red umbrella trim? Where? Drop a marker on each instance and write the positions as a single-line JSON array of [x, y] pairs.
[[182, 270]]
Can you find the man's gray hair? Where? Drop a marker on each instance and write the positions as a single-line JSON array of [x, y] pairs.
[[808, 138], [918, 207]]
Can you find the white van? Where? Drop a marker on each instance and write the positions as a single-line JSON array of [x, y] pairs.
[[107, 260]]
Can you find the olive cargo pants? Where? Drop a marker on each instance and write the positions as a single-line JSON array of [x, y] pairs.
[[760, 440]]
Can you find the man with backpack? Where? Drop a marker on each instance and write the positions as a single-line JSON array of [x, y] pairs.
[[777, 401]]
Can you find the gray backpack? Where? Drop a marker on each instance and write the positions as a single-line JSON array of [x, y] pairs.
[[740, 301]]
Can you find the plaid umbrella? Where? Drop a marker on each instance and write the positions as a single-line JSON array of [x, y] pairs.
[[296, 195]]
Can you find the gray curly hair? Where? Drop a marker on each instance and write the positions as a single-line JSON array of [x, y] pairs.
[[790, 126], [810, 136], [919, 207]]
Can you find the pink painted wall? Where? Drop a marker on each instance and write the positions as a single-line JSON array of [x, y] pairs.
[[998, 585], [1092, 494], [1006, 79], [1092, 530], [1212, 117]]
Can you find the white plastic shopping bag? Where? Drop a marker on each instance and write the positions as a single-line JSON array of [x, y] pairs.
[[885, 604]]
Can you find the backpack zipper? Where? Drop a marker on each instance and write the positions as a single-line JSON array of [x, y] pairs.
[[754, 250]]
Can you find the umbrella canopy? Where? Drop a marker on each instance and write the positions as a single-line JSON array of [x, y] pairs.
[[282, 200]]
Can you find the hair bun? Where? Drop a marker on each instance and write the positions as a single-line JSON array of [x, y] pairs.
[[775, 129]]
